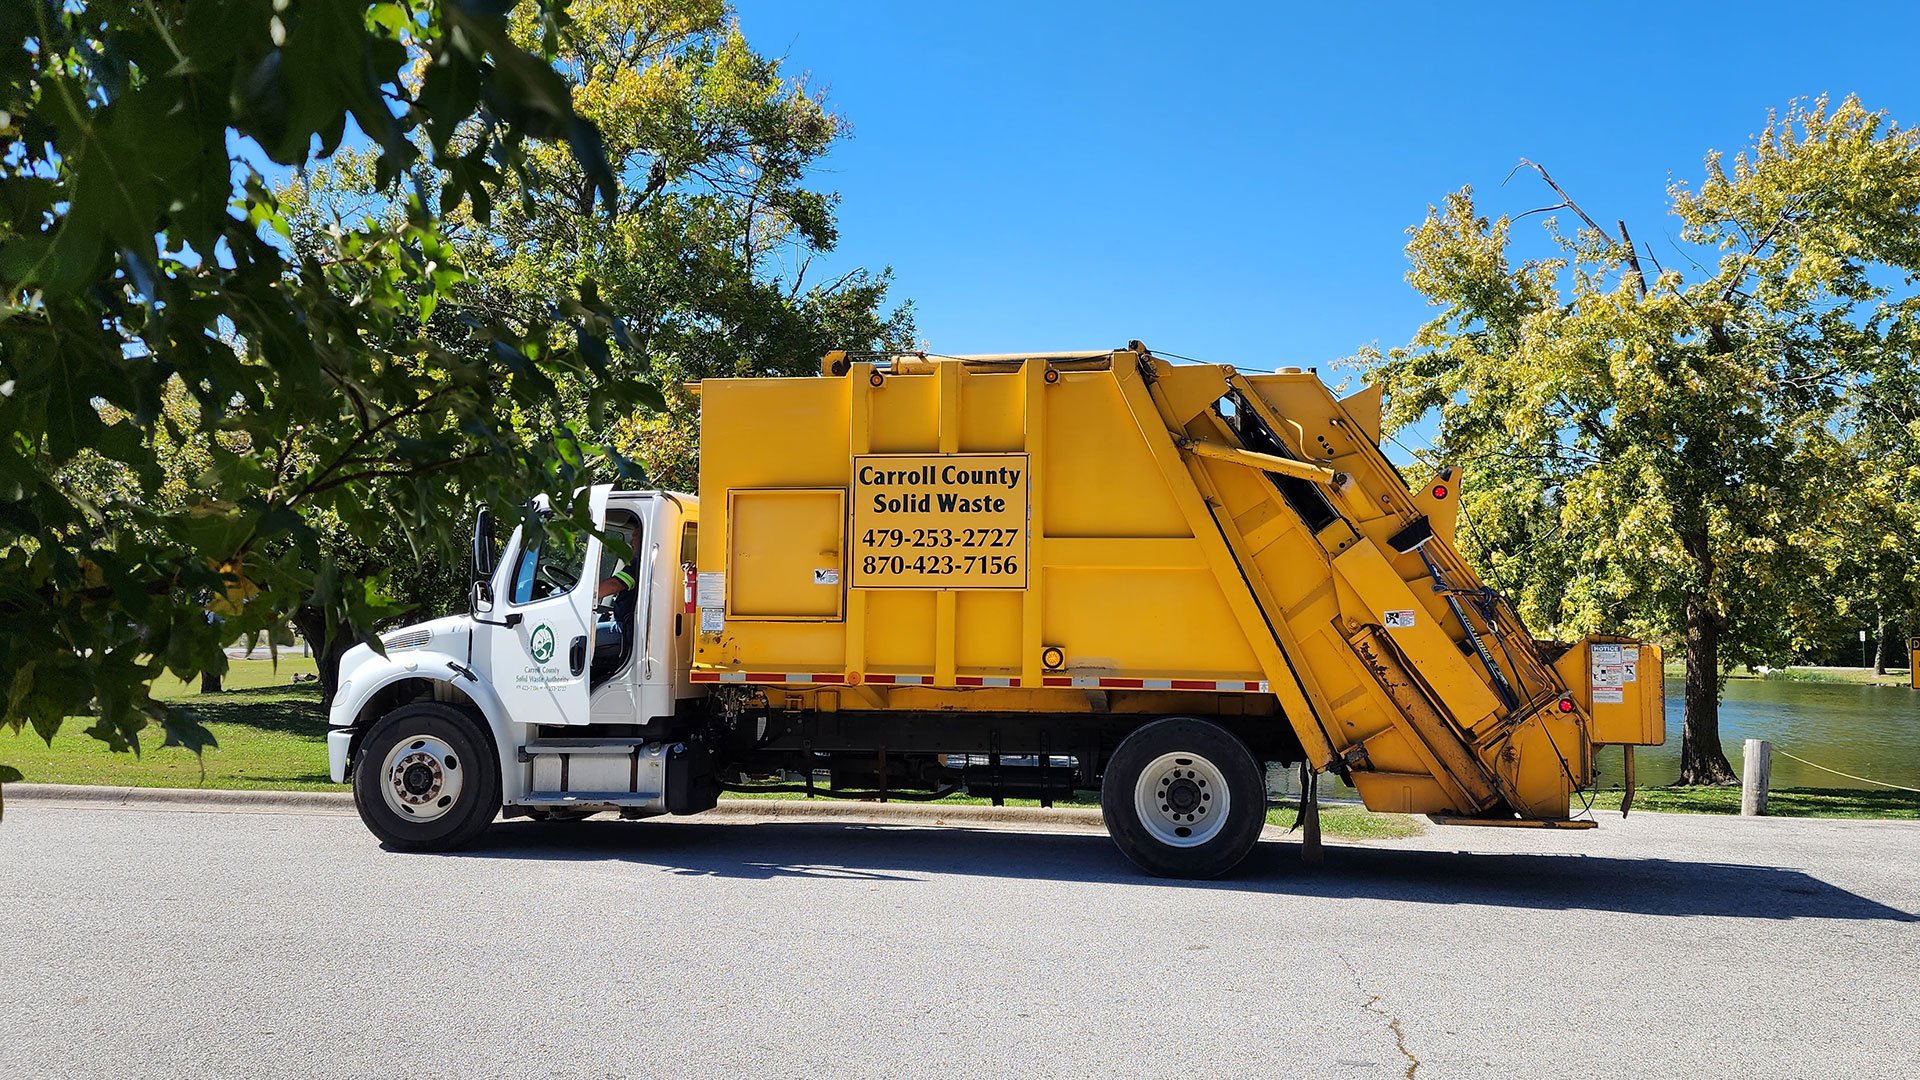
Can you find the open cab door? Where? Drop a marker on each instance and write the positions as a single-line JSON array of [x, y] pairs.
[[540, 640]]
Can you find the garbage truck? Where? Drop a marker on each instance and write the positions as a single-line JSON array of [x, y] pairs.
[[1012, 576]]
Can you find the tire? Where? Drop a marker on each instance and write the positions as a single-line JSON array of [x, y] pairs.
[[1183, 798], [427, 778]]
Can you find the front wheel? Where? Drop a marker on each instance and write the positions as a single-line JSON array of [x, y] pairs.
[[427, 779], [1183, 798]]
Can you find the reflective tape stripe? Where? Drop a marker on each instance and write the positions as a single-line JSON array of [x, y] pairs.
[[1084, 682]]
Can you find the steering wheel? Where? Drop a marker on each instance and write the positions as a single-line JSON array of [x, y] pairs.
[[557, 577]]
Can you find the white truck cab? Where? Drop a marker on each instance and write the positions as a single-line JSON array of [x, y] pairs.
[[564, 690]]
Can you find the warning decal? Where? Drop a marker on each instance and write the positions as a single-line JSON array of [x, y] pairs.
[[711, 590], [1608, 673], [1394, 620]]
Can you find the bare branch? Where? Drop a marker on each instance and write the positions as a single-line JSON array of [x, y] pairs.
[[1623, 242], [1543, 210], [1564, 197], [320, 483], [1633, 260], [420, 469]]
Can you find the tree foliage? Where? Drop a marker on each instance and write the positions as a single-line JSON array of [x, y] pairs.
[[150, 298], [706, 262], [1677, 452], [710, 262]]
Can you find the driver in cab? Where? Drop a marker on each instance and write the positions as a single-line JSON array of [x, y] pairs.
[[610, 648], [619, 584]]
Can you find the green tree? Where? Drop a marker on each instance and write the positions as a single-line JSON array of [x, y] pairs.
[[706, 264], [1656, 438], [140, 251], [1871, 487], [710, 262]]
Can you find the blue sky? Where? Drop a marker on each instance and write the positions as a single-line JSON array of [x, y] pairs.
[[1234, 183]]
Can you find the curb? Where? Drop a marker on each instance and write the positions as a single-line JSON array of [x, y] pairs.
[[201, 799], [217, 800]]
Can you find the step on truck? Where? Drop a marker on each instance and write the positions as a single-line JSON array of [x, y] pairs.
[[1015, 576]]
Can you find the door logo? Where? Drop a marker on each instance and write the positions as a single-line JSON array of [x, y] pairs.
[[541, 644]]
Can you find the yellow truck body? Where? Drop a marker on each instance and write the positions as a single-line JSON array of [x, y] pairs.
[[1113, 535]]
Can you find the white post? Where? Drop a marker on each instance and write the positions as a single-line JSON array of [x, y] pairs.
[[1756, 773]]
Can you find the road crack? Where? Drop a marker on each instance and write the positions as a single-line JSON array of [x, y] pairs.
[[1399, 1036], [1372, 1005]]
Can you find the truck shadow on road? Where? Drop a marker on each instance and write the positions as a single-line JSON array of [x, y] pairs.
[[843, 851]]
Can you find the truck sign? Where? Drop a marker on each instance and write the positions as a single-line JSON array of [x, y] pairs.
[[940, 521]]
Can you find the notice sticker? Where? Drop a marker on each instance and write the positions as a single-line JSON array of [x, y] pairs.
[[827, 577], [1397, 620], [1608, 671], [710, 592], [1608, 667]]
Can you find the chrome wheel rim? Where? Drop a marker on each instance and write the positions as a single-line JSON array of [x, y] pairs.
[[1182, 799], [421, 778]]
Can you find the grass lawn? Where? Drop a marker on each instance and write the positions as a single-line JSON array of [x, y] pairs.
[[1353, 822], [1781, 802], [1895, 676], [271, 731]]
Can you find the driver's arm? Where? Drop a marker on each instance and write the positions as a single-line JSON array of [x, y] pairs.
[[622, 579]]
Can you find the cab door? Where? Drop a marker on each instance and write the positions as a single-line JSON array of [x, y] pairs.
[[540, 632]]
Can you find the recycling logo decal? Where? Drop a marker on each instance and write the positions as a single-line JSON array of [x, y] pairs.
[[541, 644]]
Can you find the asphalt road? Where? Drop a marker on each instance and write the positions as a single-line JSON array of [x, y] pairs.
[[184, 944]]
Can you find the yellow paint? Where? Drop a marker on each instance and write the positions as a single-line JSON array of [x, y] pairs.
[[786, 553], [1154, 542]]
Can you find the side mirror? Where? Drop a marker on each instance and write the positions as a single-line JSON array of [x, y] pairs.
[[480, 600], [483, 551]]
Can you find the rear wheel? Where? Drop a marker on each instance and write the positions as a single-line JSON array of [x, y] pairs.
[[427, 779], [1183, 798]]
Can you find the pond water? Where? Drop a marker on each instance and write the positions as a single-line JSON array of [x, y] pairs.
[[1871, 731]]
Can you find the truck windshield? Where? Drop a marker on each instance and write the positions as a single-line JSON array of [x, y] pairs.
[[549, 564]]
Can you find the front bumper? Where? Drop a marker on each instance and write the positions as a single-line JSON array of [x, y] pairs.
[[338, 740]]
